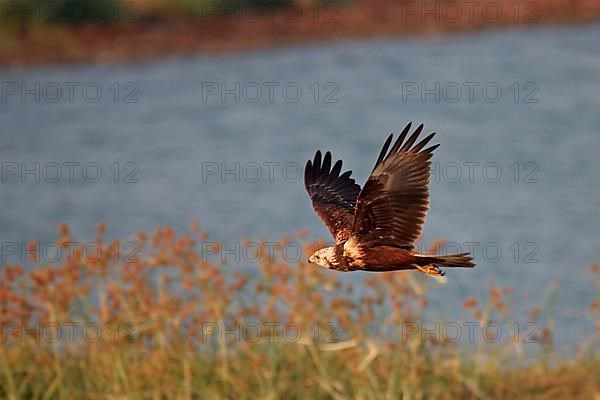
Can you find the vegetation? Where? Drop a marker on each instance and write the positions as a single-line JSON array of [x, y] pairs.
[[24, 13], [163, 317]]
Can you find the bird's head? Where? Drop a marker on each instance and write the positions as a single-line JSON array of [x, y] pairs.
[[324, 257]]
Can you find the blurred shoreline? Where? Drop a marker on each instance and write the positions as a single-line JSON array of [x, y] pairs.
[[144, 33]]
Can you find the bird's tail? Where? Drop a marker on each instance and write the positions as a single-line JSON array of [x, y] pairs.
[[461, 260]]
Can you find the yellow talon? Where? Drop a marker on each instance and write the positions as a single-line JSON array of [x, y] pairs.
[[431, 270]]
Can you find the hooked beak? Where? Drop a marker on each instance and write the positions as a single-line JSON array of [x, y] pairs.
[[310, 260]]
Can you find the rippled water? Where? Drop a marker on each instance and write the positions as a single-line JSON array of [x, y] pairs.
[[540, 134]]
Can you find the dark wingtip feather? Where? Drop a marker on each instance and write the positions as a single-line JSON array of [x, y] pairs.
[[326, 164], [401, 138], [317, 161], [336, 169], [307, 172], [317, 164], [308, 167], [423, 142], [412, 139], [431, 149], [384, 150]]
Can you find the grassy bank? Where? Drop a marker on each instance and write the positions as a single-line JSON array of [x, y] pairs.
[[165, 316], [38, 32]]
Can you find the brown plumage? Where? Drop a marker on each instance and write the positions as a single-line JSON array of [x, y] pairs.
[[375, 228]]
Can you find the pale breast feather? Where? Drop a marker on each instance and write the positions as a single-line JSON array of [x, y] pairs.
[[354, 250]]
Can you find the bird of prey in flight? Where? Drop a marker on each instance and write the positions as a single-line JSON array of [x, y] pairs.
[[375, 227]]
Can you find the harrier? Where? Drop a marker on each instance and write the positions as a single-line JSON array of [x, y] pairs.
[[375, 228]]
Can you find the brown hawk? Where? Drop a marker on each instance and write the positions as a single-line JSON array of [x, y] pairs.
[[375, 228]]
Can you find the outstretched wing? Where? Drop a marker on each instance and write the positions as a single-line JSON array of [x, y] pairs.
[[333, 195], [392, 206]]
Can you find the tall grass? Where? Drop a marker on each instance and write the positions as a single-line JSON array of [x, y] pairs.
[[157, 318]]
